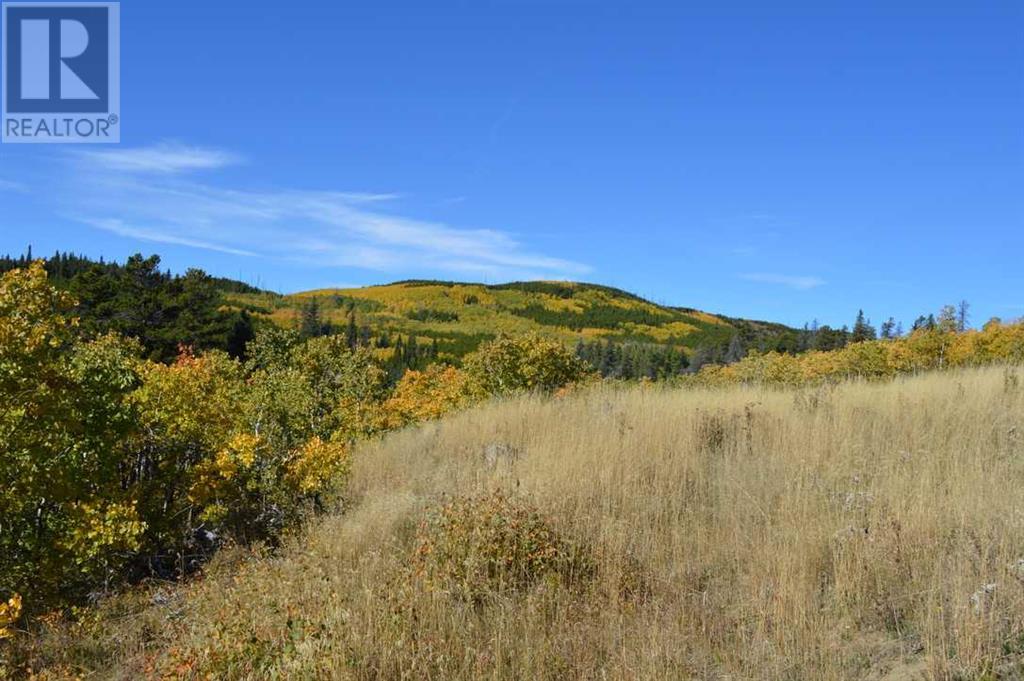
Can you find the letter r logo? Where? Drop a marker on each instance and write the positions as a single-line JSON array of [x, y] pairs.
[[57, 58], [36, 56]]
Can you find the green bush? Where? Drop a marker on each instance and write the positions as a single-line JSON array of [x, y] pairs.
[[507, 365]]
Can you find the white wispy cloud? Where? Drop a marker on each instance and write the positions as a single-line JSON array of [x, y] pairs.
[[143, 234], [148, 194], [801, 283], [166, 157]]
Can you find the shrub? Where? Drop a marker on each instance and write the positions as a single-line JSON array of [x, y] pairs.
[[317, 463], [477, 548], [253, 460], [179, 444], [429, 394], [508, 365]]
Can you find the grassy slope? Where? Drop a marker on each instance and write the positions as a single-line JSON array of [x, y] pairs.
[[840, 533], [462, 315]]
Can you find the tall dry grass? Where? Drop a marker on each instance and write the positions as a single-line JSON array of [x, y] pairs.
[[860, 531]]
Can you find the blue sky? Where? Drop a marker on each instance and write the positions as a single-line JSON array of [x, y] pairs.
[[783, 162]]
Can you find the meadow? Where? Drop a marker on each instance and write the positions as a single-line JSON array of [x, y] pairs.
[[860, 530]]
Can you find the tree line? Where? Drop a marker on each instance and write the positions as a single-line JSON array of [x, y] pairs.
[[162, 310]]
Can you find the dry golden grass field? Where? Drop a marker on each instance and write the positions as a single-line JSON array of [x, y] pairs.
[[862, 531]]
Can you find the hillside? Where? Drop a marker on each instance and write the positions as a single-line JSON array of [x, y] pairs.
[[459, 316], [863, 531], [409, 324]]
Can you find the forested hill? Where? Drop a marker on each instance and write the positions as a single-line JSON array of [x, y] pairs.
[[413, 323], [620, 333]]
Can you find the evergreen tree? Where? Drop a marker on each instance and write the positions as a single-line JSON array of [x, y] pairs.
[[412, 353], [351, 331], [827, 338], [962, 315], [632, 360], [242, 332], [310, 322], [862, 329]]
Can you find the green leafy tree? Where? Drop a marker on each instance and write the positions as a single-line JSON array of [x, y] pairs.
[[68, 521], [271, 348], [509, 365], [948, 320]]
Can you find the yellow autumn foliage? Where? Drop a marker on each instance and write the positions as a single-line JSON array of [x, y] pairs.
[[429, 394], [316, 464], [922, 350], [462, 315], [10, 611], [215, 477], [101, 529]]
